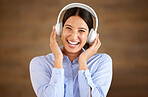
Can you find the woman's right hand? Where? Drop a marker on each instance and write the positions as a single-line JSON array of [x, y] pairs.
[[54, 46]]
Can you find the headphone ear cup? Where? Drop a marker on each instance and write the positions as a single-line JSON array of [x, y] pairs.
[[58, 29], [91, 37]]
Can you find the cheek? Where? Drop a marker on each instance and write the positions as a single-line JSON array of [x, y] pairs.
[[64, 34], [83, 37]]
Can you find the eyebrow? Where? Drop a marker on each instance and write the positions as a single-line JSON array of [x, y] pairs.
[[68, 25], [79, 28], [83, 28]]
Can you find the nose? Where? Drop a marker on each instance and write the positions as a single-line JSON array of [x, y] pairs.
[[74, 34]]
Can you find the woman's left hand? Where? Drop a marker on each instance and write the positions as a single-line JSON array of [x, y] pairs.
[[91, 50]]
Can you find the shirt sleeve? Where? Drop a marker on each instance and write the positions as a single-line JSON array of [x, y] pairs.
[[99, 81], [44, 83]]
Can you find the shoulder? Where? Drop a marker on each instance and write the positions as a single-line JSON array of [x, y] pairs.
[[43, 58], [100, 61], [101, 57], [104, 62], [104, 56], [43, 61]]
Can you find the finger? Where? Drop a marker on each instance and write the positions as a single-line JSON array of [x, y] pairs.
[[53, 36], [93, 45], [98, 44], [54, 32], [96, 40]]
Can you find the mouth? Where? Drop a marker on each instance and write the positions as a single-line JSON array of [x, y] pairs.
[[73, 44]]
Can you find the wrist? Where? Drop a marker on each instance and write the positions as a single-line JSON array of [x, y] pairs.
[[60, 58], [82, 58], [58, 63], [83, 65]]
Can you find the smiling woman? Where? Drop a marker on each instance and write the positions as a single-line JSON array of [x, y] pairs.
[[82, 13], [74, 35], [71, 71]]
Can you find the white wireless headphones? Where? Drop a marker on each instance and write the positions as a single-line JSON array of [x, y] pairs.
[[92, 34]]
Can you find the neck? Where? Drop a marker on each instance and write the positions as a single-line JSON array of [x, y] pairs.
[[70, 55]]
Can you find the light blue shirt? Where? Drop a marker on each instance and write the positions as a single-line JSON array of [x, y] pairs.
[[69, 81]]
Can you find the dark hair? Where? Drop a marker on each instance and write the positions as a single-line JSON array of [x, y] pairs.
[[84, 14]]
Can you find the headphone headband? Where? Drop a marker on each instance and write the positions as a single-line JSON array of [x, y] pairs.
[[80, 5]]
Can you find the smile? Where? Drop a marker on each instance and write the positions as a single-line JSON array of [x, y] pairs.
[[73, 43]]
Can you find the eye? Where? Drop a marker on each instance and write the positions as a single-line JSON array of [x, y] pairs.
[[81, 31], [68, 28]]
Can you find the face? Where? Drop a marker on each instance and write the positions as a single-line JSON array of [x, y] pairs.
[[74, 35]]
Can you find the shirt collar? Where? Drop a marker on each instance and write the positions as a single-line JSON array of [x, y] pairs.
[[75, 60]]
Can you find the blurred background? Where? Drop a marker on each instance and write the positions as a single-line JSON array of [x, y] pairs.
[[25, 27]]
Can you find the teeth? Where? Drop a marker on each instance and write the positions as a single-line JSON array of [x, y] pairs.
[[74, 43]]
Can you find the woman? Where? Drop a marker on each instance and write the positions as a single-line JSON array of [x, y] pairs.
[[72, 71]]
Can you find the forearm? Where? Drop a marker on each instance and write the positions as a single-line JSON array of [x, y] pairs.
[[45, 83], [86, 85], [83, 64], [58, 63], [48, 87], [84, 88], [56, 85], [99, 78]]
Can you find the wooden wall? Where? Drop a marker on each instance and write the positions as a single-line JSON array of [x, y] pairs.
[[25, 27]]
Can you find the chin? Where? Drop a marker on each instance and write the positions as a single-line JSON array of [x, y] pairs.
[[72, 50]]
